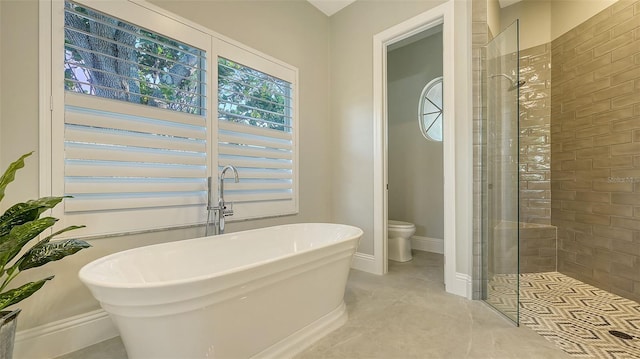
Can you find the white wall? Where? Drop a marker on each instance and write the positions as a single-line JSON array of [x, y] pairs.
[[351, 116], [415, 163], [0, 84], [535, 21], [19, 87], [493, 17], [567, 14], [292, 31]]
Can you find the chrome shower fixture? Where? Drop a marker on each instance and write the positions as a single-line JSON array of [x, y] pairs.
[[513, 83]]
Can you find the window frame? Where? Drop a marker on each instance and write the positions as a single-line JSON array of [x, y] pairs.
[[52, 100], [247, 58], [421, 109]]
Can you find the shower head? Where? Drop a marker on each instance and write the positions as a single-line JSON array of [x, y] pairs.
[[513, 84]]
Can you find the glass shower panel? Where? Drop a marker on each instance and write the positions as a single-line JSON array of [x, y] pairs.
[[500, 173]]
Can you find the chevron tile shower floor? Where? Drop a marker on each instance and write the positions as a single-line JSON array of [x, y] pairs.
[[578, 317], [502, 294]]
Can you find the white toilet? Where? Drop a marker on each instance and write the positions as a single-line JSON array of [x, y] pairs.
[[399, 234]]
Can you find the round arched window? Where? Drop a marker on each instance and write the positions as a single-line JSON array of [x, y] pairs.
[[430, 111]]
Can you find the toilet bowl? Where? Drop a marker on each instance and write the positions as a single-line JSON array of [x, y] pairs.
[[399, 234]]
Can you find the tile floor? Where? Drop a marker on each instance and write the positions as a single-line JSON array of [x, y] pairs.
[[580, 318], [406, 314], [575, 316]]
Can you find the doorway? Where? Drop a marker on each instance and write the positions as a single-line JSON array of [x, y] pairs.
[[415, 150], [456, 283]]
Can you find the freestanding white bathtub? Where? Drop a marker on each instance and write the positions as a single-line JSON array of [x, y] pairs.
[[268, 292]]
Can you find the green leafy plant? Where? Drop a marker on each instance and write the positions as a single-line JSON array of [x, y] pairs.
[[19, 225]]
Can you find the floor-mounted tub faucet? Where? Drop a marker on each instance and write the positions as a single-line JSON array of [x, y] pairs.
[[223, 209]]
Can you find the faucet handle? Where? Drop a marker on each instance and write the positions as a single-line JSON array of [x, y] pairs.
[[227, 210]]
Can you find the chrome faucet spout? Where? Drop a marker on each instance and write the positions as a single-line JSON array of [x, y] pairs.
[[222, 174], [224, 209], [217, 214]]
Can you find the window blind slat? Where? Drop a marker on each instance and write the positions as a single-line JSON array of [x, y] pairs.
[[130, 154], [224, 104], [254, 75], [253, 130], [257, 186], [252, 173], [254, 141], [254, 163], [133, 63], [82, 204], [244, 151], [104, 119], [258, 197], [162, 102], [228, 116], [90, 185], [115, 169], [93, 37], [127, 110], [229, 91], [117, 137]]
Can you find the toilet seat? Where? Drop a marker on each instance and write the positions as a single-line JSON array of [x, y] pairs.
[[399, 240], [399, 224]]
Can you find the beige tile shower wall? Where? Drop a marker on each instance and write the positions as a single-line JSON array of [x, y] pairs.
[[535, 131], [480, 37], [595, 138], [537, 248]]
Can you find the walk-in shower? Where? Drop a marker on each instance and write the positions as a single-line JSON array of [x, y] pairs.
[[560, 167]]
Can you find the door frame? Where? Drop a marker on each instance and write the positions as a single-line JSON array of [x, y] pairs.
[[442, 14]]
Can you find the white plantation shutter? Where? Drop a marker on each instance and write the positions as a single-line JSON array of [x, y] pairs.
[[257, 134], [132, 138], [263, 156], [118, 156]]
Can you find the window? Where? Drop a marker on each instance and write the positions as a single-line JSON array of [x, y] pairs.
[[111, 58], [430, 113], [256, 133], [133, 130], [119, 155]]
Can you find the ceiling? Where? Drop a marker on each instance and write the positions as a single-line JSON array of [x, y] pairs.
[[505, 3], [330, 7]]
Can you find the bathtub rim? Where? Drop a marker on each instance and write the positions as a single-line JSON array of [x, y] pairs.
[[83, 273]]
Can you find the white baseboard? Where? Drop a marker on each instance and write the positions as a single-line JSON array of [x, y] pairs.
[[435, 245], [64, 336], [461, 286], [364, 262]]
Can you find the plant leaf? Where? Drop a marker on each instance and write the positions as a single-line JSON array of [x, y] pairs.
[[48, 252], [13, 296], [67, 229], [10, 174], [21, 213], [21, 235]]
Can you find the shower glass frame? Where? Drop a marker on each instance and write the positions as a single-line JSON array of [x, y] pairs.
[[500, 173]]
